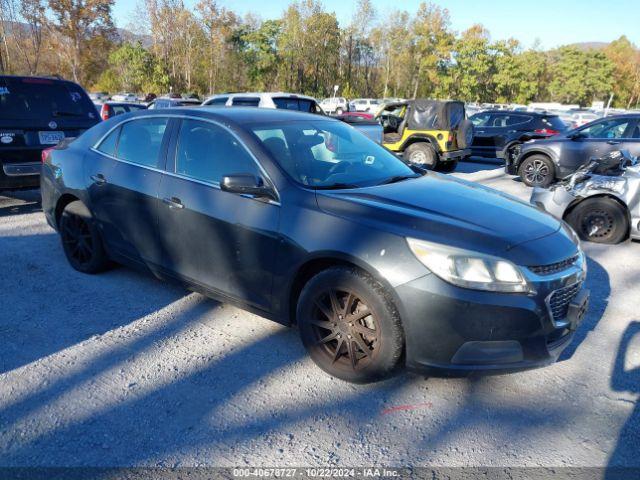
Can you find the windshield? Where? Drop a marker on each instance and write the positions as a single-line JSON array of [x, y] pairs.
[[38, 98], [325, 154]]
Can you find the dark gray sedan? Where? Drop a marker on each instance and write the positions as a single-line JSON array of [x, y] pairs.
[[541, 162], [304, 220]]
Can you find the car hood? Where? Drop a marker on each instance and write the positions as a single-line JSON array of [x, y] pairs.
[[451, 211]]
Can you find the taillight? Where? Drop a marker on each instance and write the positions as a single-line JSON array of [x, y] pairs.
[[546, 131], [104, 112], [450, 139], [45, 154]]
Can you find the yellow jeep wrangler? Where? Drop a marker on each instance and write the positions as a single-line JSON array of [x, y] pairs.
[[431, 133]]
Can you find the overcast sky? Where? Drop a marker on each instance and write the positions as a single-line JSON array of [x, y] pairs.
[[552, 22]]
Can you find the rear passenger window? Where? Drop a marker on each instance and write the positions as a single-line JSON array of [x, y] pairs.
[[208, 152], [246, 101], [516, 119], [140, 141], [218, 101], [109, 144]]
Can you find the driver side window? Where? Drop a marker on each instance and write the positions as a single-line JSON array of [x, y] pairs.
[[207, 152], [607, 129]]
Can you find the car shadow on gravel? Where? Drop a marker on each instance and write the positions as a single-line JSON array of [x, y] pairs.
[[152, 424], [625, 379], [53, 307], [19, 202], [600, 287]]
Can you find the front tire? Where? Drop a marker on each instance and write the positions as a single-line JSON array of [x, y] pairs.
[[81, 239], [599, 220], [349, 325], [537, 171], [423, 154]]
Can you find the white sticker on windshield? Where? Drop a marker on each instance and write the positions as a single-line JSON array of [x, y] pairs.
[[369, 159], [4, 91]]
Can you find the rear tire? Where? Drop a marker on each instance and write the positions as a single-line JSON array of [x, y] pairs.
[[599, 220], [81, 239], [423, 154], [339, 111], [349, 325], [447, 167], [537, 171]]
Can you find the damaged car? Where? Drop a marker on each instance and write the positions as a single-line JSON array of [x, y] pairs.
[[601, 200]]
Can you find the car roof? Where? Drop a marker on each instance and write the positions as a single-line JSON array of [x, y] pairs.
[[37, 77], [518, 112], [261, 95], [237, 115]]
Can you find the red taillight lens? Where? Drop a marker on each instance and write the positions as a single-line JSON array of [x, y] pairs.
[[45, 154], [546, 131], [104, 112], [450, 138]]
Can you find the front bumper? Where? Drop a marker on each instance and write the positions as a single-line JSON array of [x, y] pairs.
[[454, 331], [455, 154]]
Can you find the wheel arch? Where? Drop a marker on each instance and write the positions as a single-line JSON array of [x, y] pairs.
[[418, 138], [64, 200], [324, 261]]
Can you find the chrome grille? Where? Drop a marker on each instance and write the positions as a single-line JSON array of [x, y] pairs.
[[554, 267], [560, 299]]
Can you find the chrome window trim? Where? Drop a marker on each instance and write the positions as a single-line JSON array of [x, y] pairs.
[[216, 185]]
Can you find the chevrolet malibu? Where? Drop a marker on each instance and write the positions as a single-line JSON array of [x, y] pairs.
[[303, 220]]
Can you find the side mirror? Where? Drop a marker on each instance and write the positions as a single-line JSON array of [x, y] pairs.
[[575, 136], [246, 184]]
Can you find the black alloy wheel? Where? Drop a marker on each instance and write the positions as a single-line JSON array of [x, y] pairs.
[[81, 240]]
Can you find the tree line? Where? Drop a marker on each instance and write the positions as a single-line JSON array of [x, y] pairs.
[[210, 49]]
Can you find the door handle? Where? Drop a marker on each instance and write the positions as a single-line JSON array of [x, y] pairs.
[[99, 179], [173, 202], [613, 142]]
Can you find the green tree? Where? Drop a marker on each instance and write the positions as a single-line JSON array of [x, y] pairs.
[[580, 76], [78, 25], [626, 71], [133, 68]]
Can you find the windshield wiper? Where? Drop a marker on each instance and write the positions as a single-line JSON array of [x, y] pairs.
[[60, 113], [337, 186], [398, 178]]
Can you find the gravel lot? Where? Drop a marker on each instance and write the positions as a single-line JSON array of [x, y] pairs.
[[120, 369]]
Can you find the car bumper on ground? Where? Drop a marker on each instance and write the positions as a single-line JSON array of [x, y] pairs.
[[456, 154], [452, 331]]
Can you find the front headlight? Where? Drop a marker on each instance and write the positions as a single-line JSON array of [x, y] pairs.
[[469, 269]]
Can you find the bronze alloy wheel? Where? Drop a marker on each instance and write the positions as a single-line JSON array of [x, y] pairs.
[[349, 325], [345, 328]]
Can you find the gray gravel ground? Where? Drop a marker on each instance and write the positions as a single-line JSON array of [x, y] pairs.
[[120, 369]]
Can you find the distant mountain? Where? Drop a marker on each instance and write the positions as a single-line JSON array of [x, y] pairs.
[[589, 45]]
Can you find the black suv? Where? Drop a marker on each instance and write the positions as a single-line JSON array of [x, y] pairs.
[[36, 113], [496, 130]]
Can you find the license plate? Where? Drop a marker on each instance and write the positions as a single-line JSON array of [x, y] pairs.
[[50, 138], [578, 309]]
